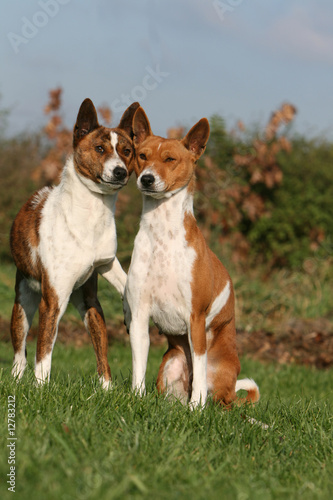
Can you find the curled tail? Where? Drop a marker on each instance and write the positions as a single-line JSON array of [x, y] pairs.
[[249, 385]]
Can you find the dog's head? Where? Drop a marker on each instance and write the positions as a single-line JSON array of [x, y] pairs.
[[103, 157], [164, 166]]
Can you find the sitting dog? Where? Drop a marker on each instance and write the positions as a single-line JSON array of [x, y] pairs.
[[175, 279], [63, 236]]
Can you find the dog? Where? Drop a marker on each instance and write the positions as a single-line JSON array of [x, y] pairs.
[[64, 236], [175, 279]]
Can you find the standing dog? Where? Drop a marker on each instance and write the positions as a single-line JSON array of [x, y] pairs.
[[177, 280], [63, 236]]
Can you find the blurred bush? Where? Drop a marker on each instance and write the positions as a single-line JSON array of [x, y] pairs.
[[266, 196], [299, 223]]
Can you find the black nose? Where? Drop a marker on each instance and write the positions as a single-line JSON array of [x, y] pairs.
[[147, 180], [119, 173]]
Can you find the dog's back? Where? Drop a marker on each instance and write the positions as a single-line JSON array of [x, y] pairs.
[[24, 235]]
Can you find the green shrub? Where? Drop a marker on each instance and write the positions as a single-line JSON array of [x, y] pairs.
[[299, 225]]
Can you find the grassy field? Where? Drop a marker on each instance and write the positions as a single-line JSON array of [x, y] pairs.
[[76, 441]]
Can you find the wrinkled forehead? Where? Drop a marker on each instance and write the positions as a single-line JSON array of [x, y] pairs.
[[112, 136], [160, 146]]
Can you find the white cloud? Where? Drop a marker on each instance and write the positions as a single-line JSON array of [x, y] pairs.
[[303, 32]]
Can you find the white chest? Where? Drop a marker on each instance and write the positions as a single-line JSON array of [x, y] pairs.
[[161, 270], [77, 232]]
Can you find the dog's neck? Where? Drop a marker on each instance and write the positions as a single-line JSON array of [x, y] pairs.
[[80, 193], [89, 215], [169, 211]]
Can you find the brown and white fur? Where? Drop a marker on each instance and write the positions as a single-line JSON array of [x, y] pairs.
[[175, 279], [63, 236]]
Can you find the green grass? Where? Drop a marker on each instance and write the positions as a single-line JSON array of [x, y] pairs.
[[76, 441], [269, 302]]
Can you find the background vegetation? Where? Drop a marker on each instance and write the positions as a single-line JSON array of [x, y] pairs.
[[266, 195]]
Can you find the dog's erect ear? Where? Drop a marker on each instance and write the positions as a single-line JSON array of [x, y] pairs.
[[141, 126], [127, 119], [197, 138], [86, 121]]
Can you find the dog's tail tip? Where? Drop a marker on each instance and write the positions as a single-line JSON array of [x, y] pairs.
[[249, 385]]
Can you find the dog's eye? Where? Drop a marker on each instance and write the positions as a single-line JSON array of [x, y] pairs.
[[126, 152], [142, 156], [99, 149], [170, 159]]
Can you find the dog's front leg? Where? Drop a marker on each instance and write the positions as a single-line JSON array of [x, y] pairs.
[[114, 274], [51, 310], [139, 338], [136, 316], [197, 341]]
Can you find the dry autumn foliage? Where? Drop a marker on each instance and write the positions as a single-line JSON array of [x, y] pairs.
[[176, 133], [236, 188], [60, 139]]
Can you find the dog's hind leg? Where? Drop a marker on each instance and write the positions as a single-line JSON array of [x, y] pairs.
[[174, 376], [86, 301], [25, 306], [223, 364]]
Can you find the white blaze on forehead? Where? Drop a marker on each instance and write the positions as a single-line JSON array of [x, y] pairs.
[[114, 142], [114, 160]]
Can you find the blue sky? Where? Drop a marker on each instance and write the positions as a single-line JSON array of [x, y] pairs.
[[182, 59]]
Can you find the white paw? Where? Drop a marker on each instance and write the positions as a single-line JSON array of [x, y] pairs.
[[140, 390], [18, 368], [42, 381], [197, 403], [43, 371], [106, 384]]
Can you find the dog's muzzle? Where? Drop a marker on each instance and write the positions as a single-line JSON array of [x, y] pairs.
[[147, 180], [120, 174]]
